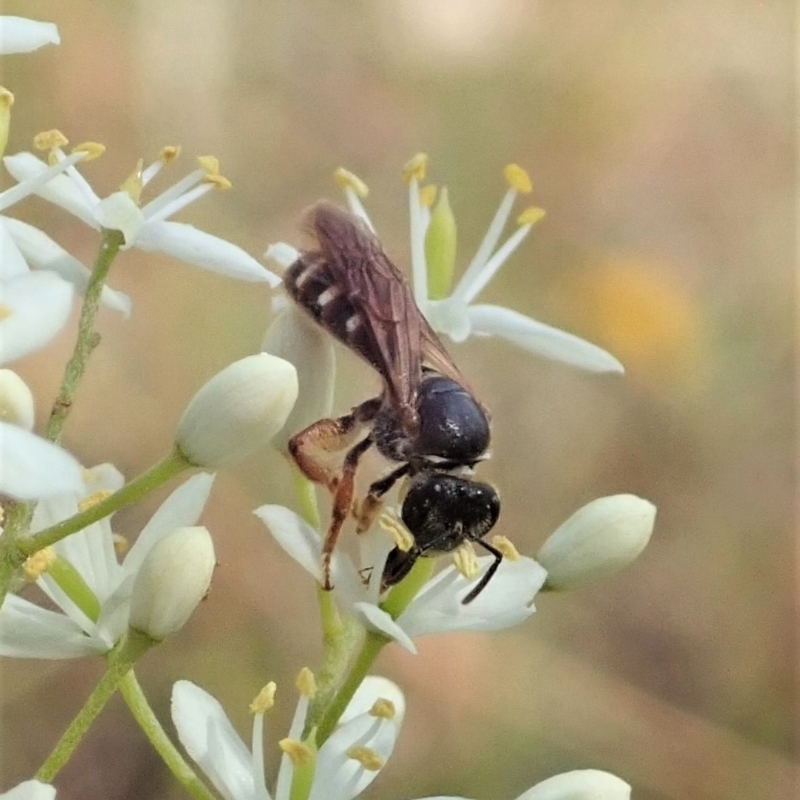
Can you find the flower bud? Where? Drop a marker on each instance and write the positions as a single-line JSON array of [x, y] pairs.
[[295, 337], [173, 579], [238, 410], [16, 400], [580, 784], [599, 539]]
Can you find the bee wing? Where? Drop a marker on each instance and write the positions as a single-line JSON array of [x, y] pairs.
[[391, 325]]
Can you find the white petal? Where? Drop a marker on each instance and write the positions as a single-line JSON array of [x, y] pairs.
[[181, 509], [29, 631], [377, 619], [20, 35], [42, 252], [281, 254], [580, 784], [193, 246], [339, 777], [118, 212], [30, 790], [31, 467], [73, 196], [505, 602], [304, 544], [209, 738], [12, 261], [33, 308], [540, 338], [17, 406], [449, 316], [372, 688], [295, 337]]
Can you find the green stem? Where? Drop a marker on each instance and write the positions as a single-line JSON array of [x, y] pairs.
[[120, 661], [88, 338], [132, 692], [371, 647], [160, 473]]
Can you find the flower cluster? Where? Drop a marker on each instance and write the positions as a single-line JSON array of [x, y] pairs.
[[104, 597]]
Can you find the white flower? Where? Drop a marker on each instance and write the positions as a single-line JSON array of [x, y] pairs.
[[238, 410], [238, 771], [597, 540], [506, 601], [16, 400], [580, 784], [295, 337], [173, 579], [30, 790], [97, 616], [458, 316], [20, 35], [148, 227]]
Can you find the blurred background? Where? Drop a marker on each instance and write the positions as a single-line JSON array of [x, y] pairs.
[[661, 140]]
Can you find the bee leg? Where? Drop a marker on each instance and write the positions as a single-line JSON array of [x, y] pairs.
[[367, 509], [329, 435], [488, 575], [342, 502]]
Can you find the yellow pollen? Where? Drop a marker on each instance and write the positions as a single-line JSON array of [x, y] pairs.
[[209, 163], [306, 683], [383, 709], [506, 547], [427, 195], [299, 753], [466, 562], [416, 168], [367, 757], [5, 312], [518, 179], [402, 536], [170, 153], [47, 140], [6, 98], [121, 544], [530, 216], [38, 563], [94, 498], [349, 180], [218, 181], [133, 185], [92, 149], [264, 700]]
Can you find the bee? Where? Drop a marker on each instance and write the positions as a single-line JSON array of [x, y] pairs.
[[426, 420]]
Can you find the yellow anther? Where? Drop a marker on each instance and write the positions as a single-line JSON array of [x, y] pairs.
[[169, 153], [383, 709], [134, 183], [5, 312], [218, 181], [47, 140], [506, 547], [466, 562], [209, 163], [349, 180], [6, 101], [38, 563], [416, 168], [94, 498], [518, 179], [530, 216], [92, 149], [402, 536], [300, 754], [427, 195], [367, 757], [306, 683], [121, 544], [6, 98], [264, 700]]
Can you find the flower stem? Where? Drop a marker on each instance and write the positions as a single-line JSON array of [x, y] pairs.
[[132, 692], [120, 661], [88, 338], [371, 647], [160, 473]]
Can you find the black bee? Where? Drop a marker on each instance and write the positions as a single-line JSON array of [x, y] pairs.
[[425, 419]]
